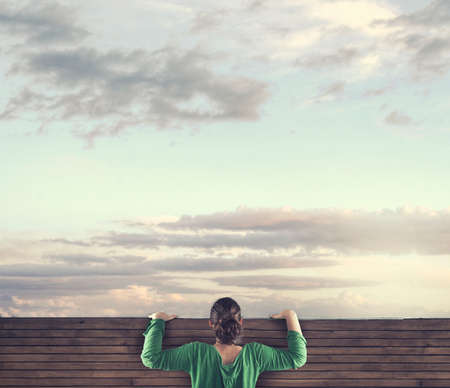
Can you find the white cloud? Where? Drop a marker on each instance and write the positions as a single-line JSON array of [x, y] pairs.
[[354, 14]]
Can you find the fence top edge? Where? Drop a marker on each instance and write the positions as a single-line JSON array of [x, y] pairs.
[[245, 318]]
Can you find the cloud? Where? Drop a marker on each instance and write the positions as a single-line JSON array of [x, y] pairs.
[[277, 282], [206, 20], [53, 281], [90, 285], [364, 36], [397, 118], [155, 293], [377, 92], [67, 241], [424, 37], [112, 90], [342, 56], [403, 230], [259, 233], [131, 300], [112, 85], [242, 262], [435, 14], [247, 239], [356, 15], [87, 265], [329, 93], [40, 22], [275, 232], [135, 300]]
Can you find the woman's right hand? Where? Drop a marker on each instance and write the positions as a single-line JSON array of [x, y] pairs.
[[284, 314]]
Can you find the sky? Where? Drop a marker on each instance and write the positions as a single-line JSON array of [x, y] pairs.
[[157, 155]]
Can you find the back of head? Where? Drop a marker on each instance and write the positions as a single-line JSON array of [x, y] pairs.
[[225, 314]]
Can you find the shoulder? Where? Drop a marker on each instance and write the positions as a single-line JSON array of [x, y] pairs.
[[189, 347], [193, 344], [198, 349], [197, 346], [258, 349], [254, 347]]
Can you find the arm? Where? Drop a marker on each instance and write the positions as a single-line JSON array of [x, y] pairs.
[[273, 359], [154, 357], [292, 322]]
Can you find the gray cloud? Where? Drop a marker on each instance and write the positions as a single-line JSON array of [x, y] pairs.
[[89, 285], [342, 56], [255, 5], [290, 282], [252, 240], [332, 90], [88, 265], [108, 85], [67, 241], [130, 240], [399, 231], [52, 287], [343, 304], [404, 230], [435, 14], [40, 22], [125, 88], [244, 262], [423, 36], [83, 274], [206, 20]]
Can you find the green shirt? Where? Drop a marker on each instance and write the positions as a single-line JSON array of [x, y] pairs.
[[203, 361]]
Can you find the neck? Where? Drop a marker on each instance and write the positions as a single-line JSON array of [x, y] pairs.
[[220, 344]]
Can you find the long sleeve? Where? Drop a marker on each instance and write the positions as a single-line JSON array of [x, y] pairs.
[[154, 357], [273, 359]]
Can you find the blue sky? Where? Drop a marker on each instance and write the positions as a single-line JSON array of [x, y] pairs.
[[280, 152]]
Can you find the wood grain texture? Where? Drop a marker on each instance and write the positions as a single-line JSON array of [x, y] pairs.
[[105, 352]]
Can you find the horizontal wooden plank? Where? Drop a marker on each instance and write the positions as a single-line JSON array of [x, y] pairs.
[[136, 341], [166, 382], [103, 350], [312, 358], [301, 373], [177, 384], [382, 365], [326, 384], [201, 323], [208, 334], [345, 383]]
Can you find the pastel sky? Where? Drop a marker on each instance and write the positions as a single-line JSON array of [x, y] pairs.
[[157, 155]]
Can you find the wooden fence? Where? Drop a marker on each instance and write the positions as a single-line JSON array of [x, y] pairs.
[[103, 351]]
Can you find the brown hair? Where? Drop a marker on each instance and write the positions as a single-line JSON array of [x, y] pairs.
[[224, 315]]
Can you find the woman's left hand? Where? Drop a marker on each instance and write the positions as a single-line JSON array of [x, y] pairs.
[[162, 315]]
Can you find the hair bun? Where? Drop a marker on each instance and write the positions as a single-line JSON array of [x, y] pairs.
[[225, 315]]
